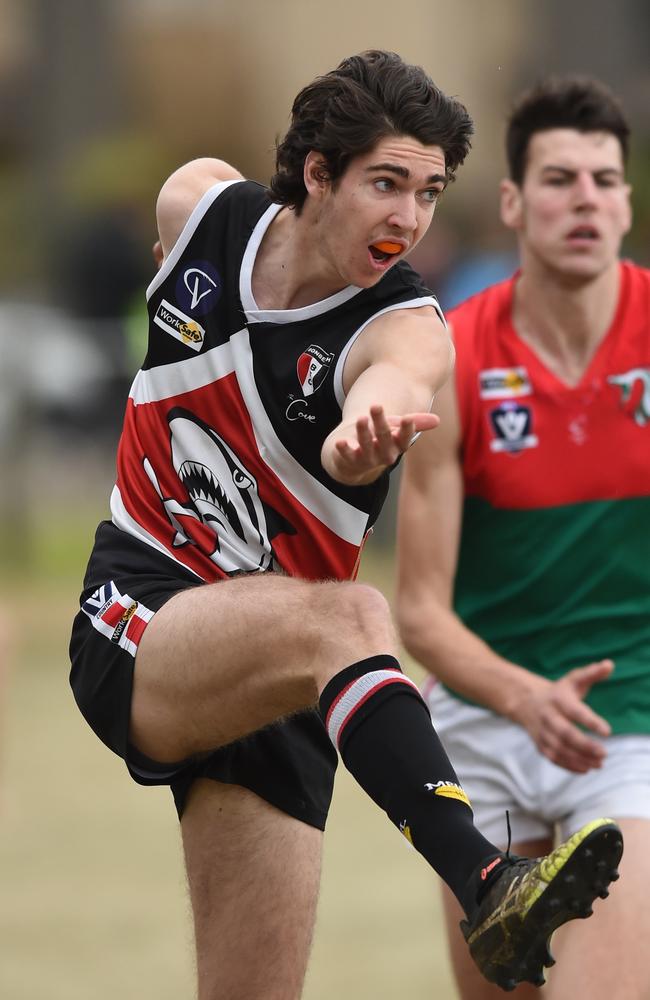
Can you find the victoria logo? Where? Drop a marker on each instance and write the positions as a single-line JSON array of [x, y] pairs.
[[312, 367], [198, 288], [512, 425]]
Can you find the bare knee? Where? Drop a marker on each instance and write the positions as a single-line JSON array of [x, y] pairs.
[[357, 626]]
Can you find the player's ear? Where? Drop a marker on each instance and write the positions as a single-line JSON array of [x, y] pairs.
[[511, 204], [627, 190], [316, 175]]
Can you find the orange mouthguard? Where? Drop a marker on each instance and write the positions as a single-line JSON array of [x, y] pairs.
[[386, 246]]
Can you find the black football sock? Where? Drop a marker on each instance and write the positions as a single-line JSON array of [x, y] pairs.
[[378, 721]]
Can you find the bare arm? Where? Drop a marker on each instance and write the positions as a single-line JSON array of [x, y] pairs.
[[429, 525], [181, 192], [390, 377]]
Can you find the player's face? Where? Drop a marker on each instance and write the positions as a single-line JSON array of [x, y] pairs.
[[573, 208], [385, 197]]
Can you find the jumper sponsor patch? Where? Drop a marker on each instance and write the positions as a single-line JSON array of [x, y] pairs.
[[182, 327], [512, 426], [635, 393], [198, 288], [504, 383], [448, 790], [312, 367], [117, 616]]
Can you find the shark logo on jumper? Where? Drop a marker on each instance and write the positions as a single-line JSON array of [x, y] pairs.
[[512, 425], [312, 367], [504, 383], [635, 393], [448, 790], [223, 513], [198, 288], [180, 326]]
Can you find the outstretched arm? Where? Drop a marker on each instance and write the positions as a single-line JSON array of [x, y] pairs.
[[391, 376], [429, 524]]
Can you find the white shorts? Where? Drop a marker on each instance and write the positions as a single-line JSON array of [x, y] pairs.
[[500, 768]]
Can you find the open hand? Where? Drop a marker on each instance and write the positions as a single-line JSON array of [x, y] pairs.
[[377, 443], [556, 717]]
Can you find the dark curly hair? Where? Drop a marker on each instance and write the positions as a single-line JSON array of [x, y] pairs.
[[576, 102], [346, 112]]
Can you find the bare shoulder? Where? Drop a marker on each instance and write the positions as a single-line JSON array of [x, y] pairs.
[[415, 338], [183, 190]]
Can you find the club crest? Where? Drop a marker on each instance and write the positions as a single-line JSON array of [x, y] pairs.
[[312, 367]]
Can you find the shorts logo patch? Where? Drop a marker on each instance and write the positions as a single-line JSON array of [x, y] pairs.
[[118, 617], [180, 326], [504, 383], [512, 425], [448, 790]]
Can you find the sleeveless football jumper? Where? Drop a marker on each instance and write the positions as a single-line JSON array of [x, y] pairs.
[[219, 474], [554, 563], [219, 462]]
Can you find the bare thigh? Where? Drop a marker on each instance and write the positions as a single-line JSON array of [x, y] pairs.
[[222, 660], [605, 957], [470, 982], [254, 875]]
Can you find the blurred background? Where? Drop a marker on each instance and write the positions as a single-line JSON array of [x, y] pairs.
[[99, 102]]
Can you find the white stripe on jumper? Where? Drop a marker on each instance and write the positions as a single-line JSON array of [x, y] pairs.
[[356, 693]]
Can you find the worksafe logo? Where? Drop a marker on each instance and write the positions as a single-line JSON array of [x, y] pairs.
[[180, 326], [504, 383]]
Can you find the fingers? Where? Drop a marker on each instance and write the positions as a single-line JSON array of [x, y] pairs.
[[567, 746], [401, 429], [583, 678], [577, 684], [381, 439], [585, 716]]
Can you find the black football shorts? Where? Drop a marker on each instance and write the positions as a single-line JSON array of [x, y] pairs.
[[290, 764]]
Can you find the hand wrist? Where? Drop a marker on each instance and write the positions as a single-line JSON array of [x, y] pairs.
[[523, 690]]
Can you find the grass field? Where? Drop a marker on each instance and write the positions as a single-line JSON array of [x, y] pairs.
[[93, 904]]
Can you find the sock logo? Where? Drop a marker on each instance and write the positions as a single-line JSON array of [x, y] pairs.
[[488, 868], [405, 829], [448, 790]]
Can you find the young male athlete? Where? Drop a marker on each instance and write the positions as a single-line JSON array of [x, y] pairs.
[[527, 512], [220, 646]]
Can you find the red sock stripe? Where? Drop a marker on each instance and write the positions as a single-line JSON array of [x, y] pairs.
[[356, 694]]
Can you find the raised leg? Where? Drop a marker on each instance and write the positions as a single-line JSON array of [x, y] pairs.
[[470, 982]]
